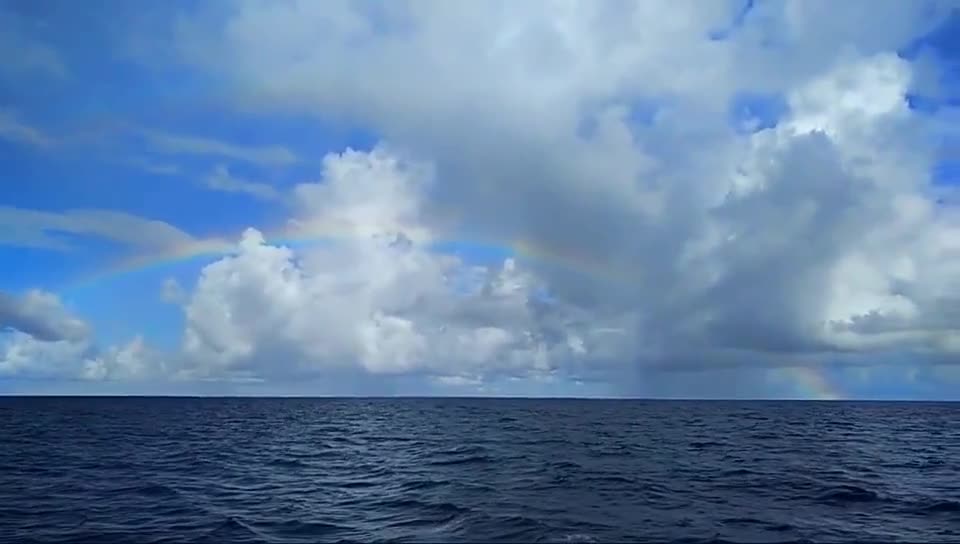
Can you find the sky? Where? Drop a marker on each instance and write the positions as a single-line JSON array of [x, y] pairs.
[[660, 198]]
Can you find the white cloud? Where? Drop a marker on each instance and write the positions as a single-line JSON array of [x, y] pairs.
[[46, 229], [222, 180], [24, 355], [132, 361], [41, 315], [379, 299], [193, 145], [597, 132], [40, 338]]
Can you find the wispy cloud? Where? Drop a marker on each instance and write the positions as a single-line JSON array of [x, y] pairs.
[[44, 229], [180, 144], [14, 130], [222, 180], [22, 54], [151, 167]]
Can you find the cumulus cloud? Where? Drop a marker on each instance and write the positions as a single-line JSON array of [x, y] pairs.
[[41, 315], [134, 360], [40, 338], [378, 298], [604, 136], [599, 132], [23, 355], [26, 356]]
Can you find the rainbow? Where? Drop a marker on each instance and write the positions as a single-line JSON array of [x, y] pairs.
[[216, 247], [811, 383], [807, 382]]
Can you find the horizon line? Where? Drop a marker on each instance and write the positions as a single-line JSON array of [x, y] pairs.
[[463, 397]]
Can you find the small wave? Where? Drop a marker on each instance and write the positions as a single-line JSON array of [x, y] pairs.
[[570, 538], [358, 484], [422, 506], [940, 506], [408, 513], [287, 463], [931, 463], [848, 494], [768, 525], [470, 460], [610, 479], [515, 528], [304, 528], [417, 485], [462, 450], [737, 472], [232, 530], [150, 490]]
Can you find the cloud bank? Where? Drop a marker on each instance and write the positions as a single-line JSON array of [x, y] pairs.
[[716, 187], [603, 132]]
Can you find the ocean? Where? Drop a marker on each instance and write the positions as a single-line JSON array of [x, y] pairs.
[[252, 470]]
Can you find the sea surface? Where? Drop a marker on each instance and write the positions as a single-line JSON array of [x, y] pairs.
[[104, 470]]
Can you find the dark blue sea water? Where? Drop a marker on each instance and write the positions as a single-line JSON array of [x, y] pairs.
[[103, 470]]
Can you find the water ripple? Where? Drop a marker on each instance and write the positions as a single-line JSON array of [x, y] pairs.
[[139, 470]]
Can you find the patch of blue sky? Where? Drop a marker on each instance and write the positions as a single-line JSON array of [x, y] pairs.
[[171, 186], [947, 172], [755, 111], [942, 45], [476, 253], [107, 99], [472, 254], [737, 20], [55, 184], [892, 382], [28, 268], [118, 305], [386, 18], [640, 112]]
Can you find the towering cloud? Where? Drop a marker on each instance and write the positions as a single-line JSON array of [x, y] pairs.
[[605, 133]]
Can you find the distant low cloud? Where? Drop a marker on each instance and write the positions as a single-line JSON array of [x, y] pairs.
[[40, 338], [193, 145]]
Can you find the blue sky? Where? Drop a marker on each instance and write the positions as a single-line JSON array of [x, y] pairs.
[[107, 108]]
